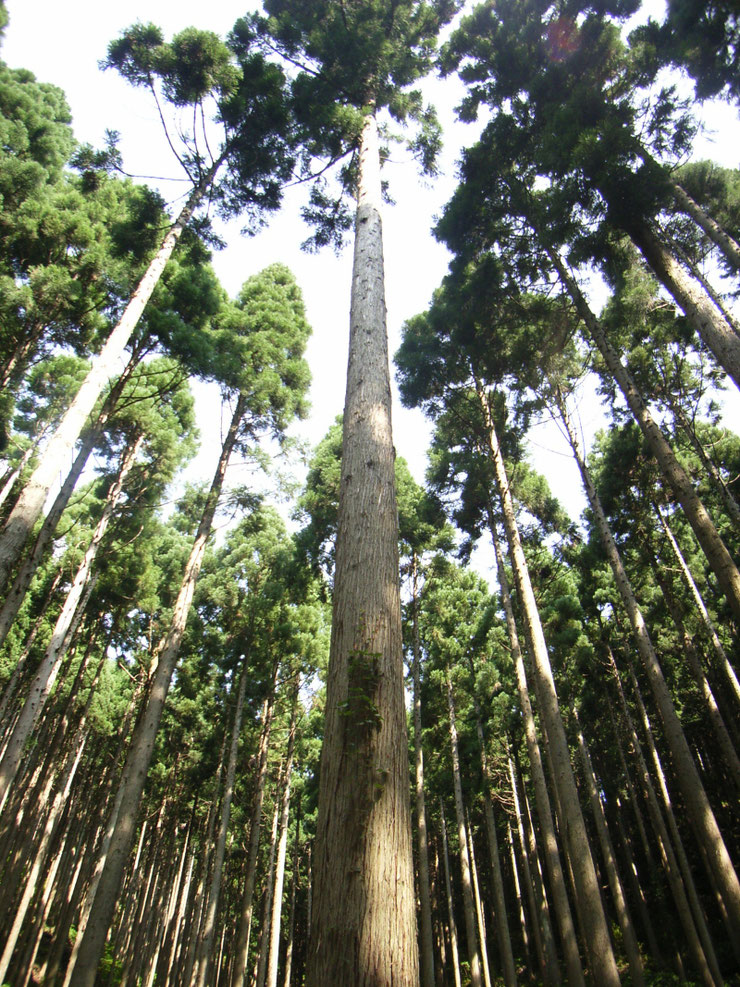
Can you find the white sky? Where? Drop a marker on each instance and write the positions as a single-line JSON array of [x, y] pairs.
[[62, 43]]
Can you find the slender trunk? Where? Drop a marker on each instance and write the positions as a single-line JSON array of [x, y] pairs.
[[722, 659], [542, 798], [427, 947], [595, 926], [288, 972], [709, 324], [264, 936], [209, 924], [499, 910], [142, 742], [59, 448], [732, 508], [665, 848], [610, 862], [361, 935], [695, 798], [478, 906], [10, 478], [241, 947], [17, 592], [49, 668], [450, 908], [714, 548], [467, 884], [277, 896], [549, 976], [519, 899], [729, 247]]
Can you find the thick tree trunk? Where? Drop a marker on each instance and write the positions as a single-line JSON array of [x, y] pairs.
[[363, 934], [142, 742], [542, 798], [462, 839], [59, 448], [49, 668], [695, 798], [714, 548], [596, 929], [427, 946]]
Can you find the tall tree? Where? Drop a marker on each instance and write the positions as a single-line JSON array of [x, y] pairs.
[[359, 60]]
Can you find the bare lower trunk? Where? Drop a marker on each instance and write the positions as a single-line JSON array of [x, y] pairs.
[[361, 934], [467, 884], [427, 948], [542, 799], [450, 908], [49, 668], [142, 742], [596, 929], [697, 804]]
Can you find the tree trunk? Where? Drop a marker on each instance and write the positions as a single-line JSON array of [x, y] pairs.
[[361, 934], [467, 884], [450, 906], [596, 929], [542, 798], [481, 919], [427, 946], [610, 862], [729, 247], [241, 947], [288, 972], [142, 742], [709, 324], [209, 924], [695, 798], [47, 672], [277, 897], [714, 548], [59, 448]]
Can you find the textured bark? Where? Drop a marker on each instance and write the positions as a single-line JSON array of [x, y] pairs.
[[595, 926], [47, 672], [59, 448], [363, 930], [697, 804], [142, 742], [288, 971], [542, 799], [462, 838], [714, 548]]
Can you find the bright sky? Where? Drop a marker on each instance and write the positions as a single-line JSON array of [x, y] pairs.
[[62, 43]]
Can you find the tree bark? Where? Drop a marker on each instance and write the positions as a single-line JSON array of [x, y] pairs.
[[450, 906], [142, 742], [729, 247], [362, 935]]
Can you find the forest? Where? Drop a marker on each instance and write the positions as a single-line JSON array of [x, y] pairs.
[[279, 729]]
